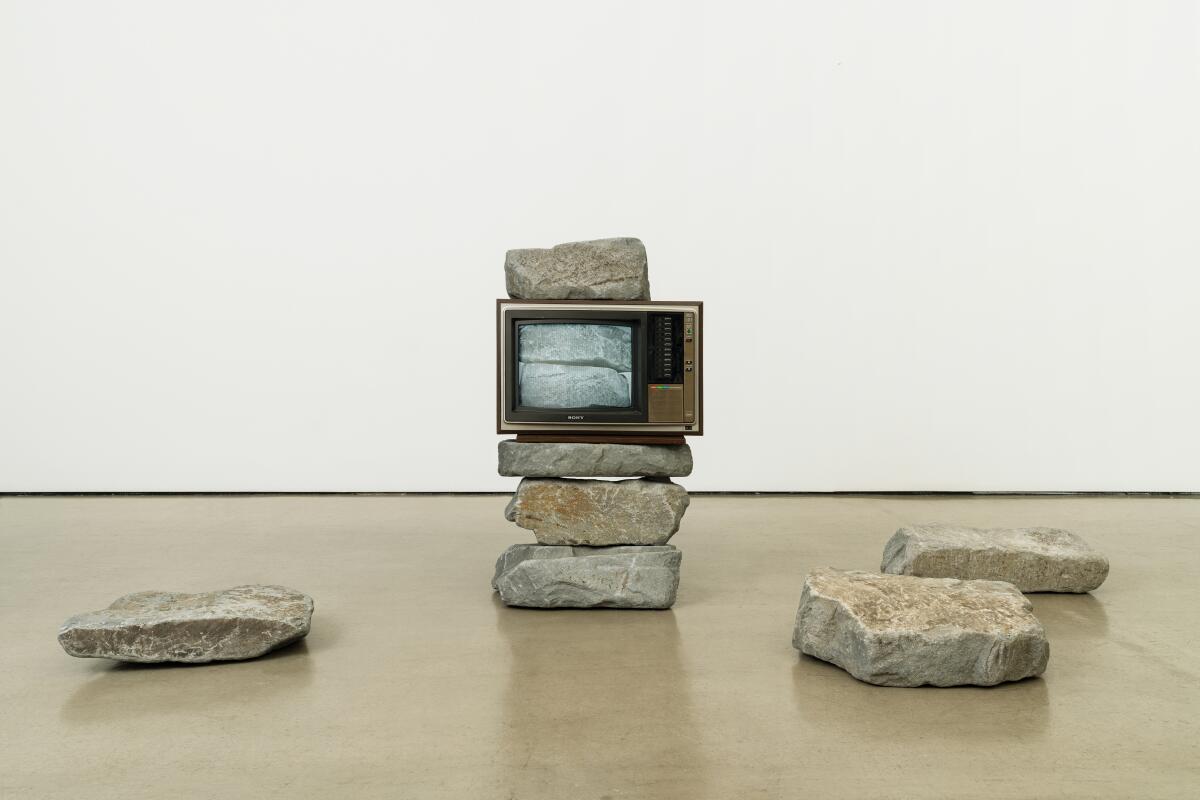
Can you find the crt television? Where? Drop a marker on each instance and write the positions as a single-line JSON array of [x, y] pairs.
[[600, 367]]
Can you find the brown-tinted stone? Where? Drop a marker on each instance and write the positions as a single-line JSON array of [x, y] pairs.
[[561, 511], [898, 630]]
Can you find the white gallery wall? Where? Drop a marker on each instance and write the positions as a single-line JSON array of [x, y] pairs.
[[252, 246]]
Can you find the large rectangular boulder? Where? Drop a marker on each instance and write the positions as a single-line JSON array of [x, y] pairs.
[[538, 576], [601, 269], [565, 511], [899, 630], [1032, 559], [589, 460]]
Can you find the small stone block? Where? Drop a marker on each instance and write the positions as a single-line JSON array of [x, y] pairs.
[[565, 511], [602, 269], [898, 630], [1032, 559], [230, 625], [539, 576], [580, 460]]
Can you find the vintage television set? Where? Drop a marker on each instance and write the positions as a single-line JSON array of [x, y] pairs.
[[594, 370]]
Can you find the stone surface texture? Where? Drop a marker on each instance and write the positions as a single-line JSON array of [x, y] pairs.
[[234, 624], [578, 344], [1032, 559], [578, 460], [562, 511], [899, 630], [602, 269], [539, 576], [569, 386]]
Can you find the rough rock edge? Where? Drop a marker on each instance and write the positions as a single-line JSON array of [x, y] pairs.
[[558, 593], [550, 279], [586, 460], [108, 619], [904, 553], [845, 633], [670, 498]]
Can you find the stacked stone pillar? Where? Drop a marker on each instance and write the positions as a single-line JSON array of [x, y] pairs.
[[601, 513]]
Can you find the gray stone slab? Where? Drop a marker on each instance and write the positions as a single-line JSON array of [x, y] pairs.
[[580, 460], [234, 624], [539, 576], [1032, 559], [899, 630], [601, 269], [563, 511]]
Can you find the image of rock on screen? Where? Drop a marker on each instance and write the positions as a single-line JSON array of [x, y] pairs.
[[575, 365]]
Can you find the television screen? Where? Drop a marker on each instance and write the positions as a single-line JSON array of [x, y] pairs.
[[575, 365]]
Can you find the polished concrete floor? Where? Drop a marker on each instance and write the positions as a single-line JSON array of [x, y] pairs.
[[416, 683]]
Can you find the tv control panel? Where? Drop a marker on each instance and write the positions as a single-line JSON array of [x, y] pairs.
[[666, 348], [672, 374]]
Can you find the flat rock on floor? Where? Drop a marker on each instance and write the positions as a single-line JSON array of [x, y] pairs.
[[601, 269], [238, 623], [898, 630], [579, 460], [562, 511], [1032, 559], [540, 576]]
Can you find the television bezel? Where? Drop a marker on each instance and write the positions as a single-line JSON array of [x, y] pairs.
[[600, 421]]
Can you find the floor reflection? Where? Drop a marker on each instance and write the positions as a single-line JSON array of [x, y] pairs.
[[831, 699], [123, 691], [1070, 616], [604, 711]]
